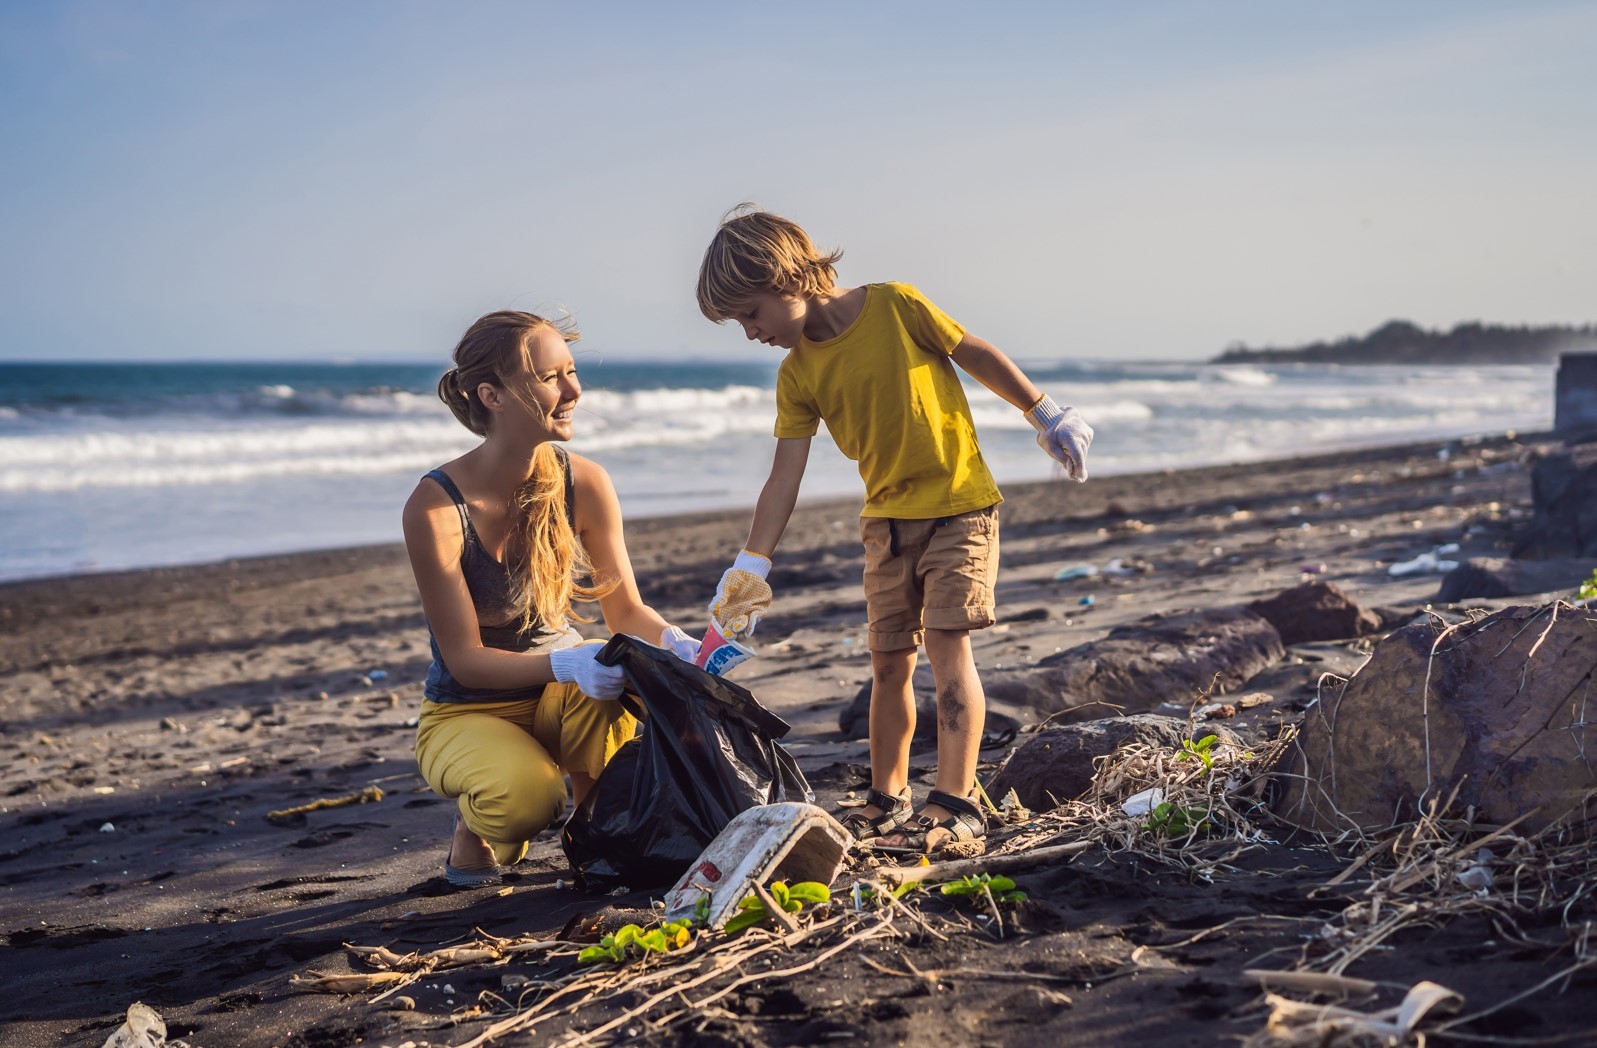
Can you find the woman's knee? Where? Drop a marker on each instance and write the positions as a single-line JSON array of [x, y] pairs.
[[519, 802]]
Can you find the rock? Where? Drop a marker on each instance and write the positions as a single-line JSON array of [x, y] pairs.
[[1498, 710], [1173, 657], [1501, 577], [1055, 764], [1575, 399], [1316, 611], [1564, 489]]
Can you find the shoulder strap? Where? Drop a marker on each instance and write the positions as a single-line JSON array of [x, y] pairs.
[[571, 486], [443, 481]]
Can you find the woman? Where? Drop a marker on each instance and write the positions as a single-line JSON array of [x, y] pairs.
[[497, 538]]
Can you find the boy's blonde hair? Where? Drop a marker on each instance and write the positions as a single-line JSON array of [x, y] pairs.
[[756, 252]]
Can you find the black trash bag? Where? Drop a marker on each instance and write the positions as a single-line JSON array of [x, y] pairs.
[[706, 753]]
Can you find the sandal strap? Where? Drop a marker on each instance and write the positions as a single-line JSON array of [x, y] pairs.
[[957, 805], [889, 804]]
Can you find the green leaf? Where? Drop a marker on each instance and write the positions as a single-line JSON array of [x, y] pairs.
[[1001, 884], [593, 954], [626, 934], [745, 920], [779, 892], [653, 941], [751, 902], [810, 892]]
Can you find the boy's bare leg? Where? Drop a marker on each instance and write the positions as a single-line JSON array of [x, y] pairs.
[[892, 721], [961, 714]]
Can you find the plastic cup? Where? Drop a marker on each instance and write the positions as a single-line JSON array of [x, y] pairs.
[[717, 654]]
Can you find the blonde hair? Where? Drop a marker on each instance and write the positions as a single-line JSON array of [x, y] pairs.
[[541, 553], [756, 252]]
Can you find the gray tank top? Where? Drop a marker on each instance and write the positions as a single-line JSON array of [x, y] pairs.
[[498, 621]]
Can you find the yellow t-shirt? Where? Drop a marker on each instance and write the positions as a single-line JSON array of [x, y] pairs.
[[891, 399]]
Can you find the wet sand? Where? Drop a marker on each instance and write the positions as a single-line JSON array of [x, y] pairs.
[[150, 720]]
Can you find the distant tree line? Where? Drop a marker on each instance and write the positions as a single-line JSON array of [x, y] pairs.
[[1400, 342]]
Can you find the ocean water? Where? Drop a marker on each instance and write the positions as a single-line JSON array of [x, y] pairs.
[[112, 466]]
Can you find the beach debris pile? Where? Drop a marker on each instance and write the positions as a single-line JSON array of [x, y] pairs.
[[1057, 762]]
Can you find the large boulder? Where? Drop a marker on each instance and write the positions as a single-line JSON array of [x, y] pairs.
[[1481, 577], [1316, 611], [1497, 708], [1163, 658], [1056, 763], [1564, 489]]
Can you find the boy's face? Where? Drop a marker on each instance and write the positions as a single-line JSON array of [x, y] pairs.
[[776, 320]]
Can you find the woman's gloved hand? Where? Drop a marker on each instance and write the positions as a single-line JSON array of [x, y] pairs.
[[743, 597], [578, 666], [678, 643], [1064, 434]]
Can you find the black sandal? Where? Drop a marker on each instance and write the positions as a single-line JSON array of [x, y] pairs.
[[895, 813], [965, 824]]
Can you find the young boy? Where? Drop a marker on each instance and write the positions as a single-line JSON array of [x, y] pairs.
[[876, 363]]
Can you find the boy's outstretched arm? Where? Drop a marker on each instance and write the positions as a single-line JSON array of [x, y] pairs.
[[743, 597], [1061, 432]]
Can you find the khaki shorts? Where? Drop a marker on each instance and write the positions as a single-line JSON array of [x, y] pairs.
[[928, 574]]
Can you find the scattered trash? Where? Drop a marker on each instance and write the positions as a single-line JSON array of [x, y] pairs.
[[1139, 804], [1075, 571], [1086, 601], [370, 794], [377, 674], [1117, 567], [1478, 875], [1312, 569], [791, 841], [106, 827], [1427, 563], [144, 1028]]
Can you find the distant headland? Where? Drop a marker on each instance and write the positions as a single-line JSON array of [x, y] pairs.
[[1400, 342]]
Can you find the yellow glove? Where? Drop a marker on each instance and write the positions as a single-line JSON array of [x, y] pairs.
[[743, 597]]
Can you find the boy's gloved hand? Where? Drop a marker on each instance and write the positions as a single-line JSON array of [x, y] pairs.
[[743, 597], [1064, 434], [578, 666], [678, 643]]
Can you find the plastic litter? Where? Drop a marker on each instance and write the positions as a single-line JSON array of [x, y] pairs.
[[1117, 567], [144, 1028], [1076, 571], [1139, 804], [717, 654], [1427, 563], [377, 674], [789, 841], [707, 752], [1086, 601]]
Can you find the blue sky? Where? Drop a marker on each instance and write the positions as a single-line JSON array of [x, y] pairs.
[[360, 180]]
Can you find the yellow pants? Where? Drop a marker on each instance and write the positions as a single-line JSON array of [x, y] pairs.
[[504, 760]]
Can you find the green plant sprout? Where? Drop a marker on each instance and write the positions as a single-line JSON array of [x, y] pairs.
[[1175, 821], [1001, 888], [864, 893], [1202, 750], [631, 941], [1588, 589], [791, 899]]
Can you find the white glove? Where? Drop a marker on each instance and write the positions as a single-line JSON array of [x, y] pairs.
[[679, 643], [743, 597], [578, 666], [1064, 434]]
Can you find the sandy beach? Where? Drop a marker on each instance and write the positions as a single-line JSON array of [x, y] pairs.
[[150, 720]]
